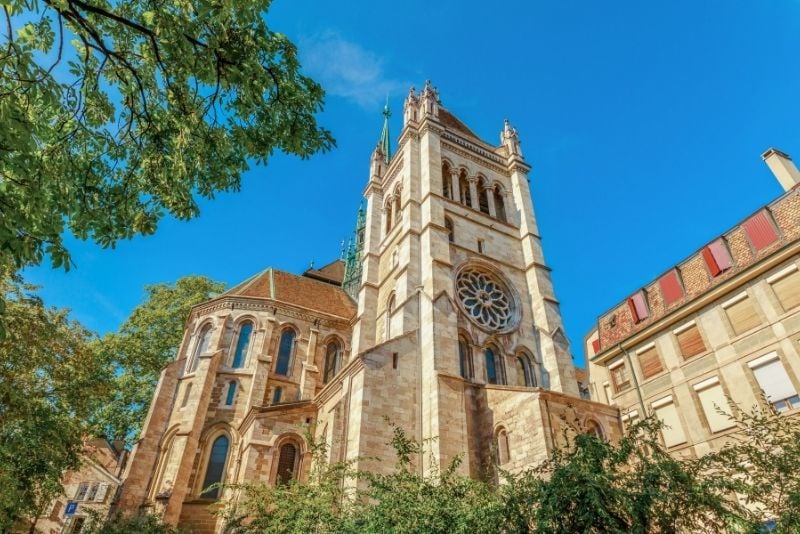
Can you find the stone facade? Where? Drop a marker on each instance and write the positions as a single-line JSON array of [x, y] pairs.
[[454, 333], [712, 332]]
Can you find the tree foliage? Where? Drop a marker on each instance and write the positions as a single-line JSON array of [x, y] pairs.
[[146, 342], [113, 114], [587, 486], [50, 381]]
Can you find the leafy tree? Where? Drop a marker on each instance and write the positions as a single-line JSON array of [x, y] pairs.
[[137, 523], [762, 466], [50, 382], [115, 113], [145, 343]]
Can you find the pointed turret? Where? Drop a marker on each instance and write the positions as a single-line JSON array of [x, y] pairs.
[[352, 256], [384, 142], [510, 139]]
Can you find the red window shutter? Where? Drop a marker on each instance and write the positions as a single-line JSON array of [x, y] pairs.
[[671, 288], [713, 268], [638, 307], [721, 254], [596, 346], [759, 230]]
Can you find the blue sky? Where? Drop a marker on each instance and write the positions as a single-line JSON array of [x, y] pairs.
[[644, 123]]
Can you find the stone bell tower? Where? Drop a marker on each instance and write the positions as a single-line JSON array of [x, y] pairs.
[[452, 254]]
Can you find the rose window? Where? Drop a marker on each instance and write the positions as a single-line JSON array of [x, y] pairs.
[[485, 299]]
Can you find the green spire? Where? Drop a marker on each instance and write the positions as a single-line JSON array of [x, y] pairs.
[[384, 142]]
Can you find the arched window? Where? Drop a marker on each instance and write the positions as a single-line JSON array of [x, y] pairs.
[[387, 211], [463, 187], [495, 373], [447, 186], [215, 469], [242, 345], [398, 211], [389, 312], [483, 197], [230, 397], [448, 224], [464, 358], [499, 204], [594, 428], [525, 374], [333, 356], [203, 341], [503, 450], [285, 350], [287, 463]]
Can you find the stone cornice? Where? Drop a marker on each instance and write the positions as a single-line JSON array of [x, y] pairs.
[[266, 304]]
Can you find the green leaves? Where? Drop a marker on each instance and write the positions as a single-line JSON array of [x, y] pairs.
[[158, 104], [145, 343]]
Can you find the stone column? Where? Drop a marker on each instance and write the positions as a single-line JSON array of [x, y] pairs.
[[473, 191], [310, 372], [263, 363], [454, 181], [490, 197]]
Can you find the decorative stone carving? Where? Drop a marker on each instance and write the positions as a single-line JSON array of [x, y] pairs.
[[486, 299]]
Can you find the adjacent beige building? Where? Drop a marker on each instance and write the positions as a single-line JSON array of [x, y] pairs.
[[711, 333], [442, 319]]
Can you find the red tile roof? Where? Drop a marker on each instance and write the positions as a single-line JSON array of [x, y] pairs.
[[332, 273], [301, 291]]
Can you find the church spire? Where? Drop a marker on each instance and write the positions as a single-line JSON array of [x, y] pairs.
[[384, 141]]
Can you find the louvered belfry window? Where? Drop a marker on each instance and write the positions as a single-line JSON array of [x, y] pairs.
[[287, 461]]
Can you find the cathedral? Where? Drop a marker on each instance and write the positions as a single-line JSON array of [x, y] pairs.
[[441, 318]]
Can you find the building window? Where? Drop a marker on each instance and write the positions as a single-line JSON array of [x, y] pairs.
[[231, 395], [741, 314], [593, 427], [285, 350], [690, 342], [672, 429], [495, 374], [502, 446], [775, 382], [242, 345], [717, 257], [92, 492], [448, 224], [760, 230], [464, 190], [276, 395], [83, 488], [387, 213], [619, 377], [287, 463], [447, 186], [483, 197], [215, 469], [333, 355], [203, 341], [525, 372], [629, 419], [650, 362], [715, 405], [499, 204], [480, 246], [786, 285], [638, 305], [388, 321], [398, 211], [464, 359], [671, 288]]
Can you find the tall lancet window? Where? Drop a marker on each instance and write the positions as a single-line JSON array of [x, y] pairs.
[[203, 342], [447, 186], [387, 211], [463, 187], [464, 358], [495, 374], [333, 357], [215, 469], [285, 350], [483, 197], [499, 204], [388, 322], [242, 345], [398, 210]]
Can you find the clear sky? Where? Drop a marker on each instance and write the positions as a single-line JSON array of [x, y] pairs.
[[644, 123]]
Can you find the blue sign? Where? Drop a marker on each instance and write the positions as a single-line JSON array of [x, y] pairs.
[[70, 509]]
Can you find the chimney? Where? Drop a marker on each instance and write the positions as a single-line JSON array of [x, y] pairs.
[[782, 167]]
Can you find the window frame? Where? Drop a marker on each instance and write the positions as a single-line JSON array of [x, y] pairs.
[[207, 452], [290, 358]]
